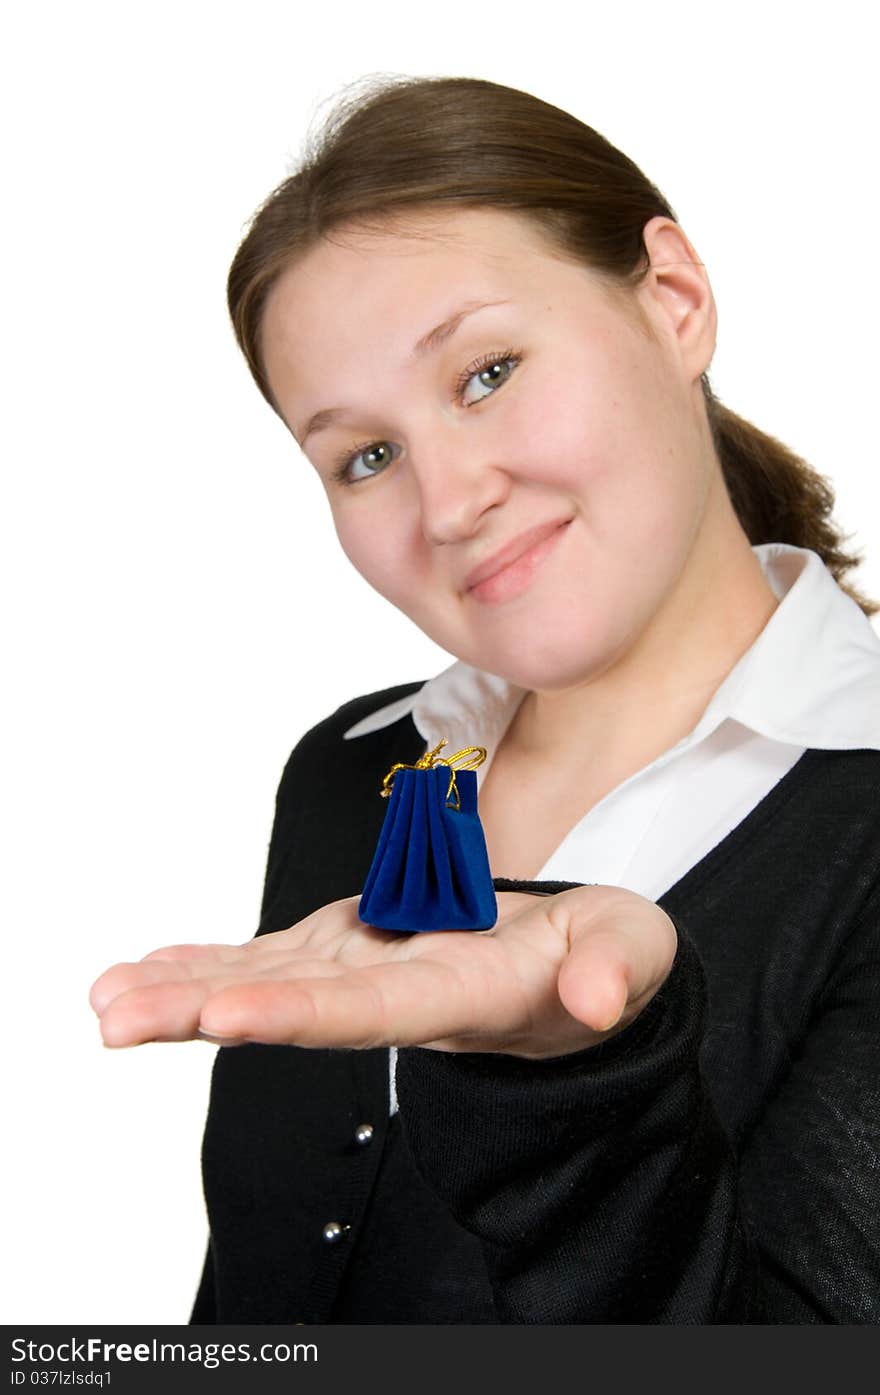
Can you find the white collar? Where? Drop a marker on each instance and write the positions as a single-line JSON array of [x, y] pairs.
[[811, 678]]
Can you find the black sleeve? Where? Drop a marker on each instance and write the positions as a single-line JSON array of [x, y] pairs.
[[604, 1189]]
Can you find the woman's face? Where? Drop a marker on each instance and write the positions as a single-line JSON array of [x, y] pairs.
[[525, 484]]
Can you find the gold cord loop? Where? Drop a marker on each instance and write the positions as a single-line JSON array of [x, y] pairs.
[[468, 758]]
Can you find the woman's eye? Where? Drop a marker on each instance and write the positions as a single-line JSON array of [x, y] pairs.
[[371, 458], [365, 461], [486, 377]]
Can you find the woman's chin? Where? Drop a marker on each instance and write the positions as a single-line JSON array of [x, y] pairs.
[[536, 667]]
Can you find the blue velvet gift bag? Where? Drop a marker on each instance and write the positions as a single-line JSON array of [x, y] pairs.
[[430, 870]]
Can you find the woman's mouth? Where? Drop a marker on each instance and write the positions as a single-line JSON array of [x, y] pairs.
[[512, 570]]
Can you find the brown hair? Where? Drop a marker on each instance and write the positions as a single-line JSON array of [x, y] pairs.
[[408, 143]]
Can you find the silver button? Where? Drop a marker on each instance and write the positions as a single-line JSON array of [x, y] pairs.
[[363, 1134], [333, 1231]]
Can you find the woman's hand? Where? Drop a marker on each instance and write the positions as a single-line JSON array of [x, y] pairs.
[[554, 975]]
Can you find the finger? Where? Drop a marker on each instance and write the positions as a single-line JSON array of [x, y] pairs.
[[617, 963], [216, 953], [168, 1013], [400, 1004], [121, 977], [324, 929], [167, 965], [169, 1010], [221, 1041], [159, 969], [593, 984]]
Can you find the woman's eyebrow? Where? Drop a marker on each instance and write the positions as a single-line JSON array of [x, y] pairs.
[[440, 333], [428, 343]]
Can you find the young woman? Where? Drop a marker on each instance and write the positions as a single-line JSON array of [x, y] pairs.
[[649, 1093]]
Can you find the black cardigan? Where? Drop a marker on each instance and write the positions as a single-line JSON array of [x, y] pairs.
[[716, 1162]]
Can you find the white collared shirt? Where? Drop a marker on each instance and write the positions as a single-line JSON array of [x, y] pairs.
[[810, 679]]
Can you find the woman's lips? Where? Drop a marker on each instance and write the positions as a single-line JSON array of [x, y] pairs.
[[524, 556]]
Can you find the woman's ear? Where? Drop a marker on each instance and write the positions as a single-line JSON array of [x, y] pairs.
[[677, 296]]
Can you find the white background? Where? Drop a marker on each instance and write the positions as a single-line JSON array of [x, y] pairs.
[[171, 578]]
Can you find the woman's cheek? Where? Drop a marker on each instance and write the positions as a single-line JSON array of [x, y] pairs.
[[564, 441], [383, 559], [533, 428], [354, 539]]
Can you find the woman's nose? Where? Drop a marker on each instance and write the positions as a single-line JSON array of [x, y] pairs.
[[457, 485]]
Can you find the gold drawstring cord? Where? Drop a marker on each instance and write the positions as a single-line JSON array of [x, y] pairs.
[[468, 758]]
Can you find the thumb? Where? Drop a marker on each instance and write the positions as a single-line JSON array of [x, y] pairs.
[[619, 957]]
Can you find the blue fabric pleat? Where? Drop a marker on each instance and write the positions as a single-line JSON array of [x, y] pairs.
[[430, 870]]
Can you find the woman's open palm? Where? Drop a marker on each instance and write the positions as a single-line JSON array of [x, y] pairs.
[[554, 975]]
